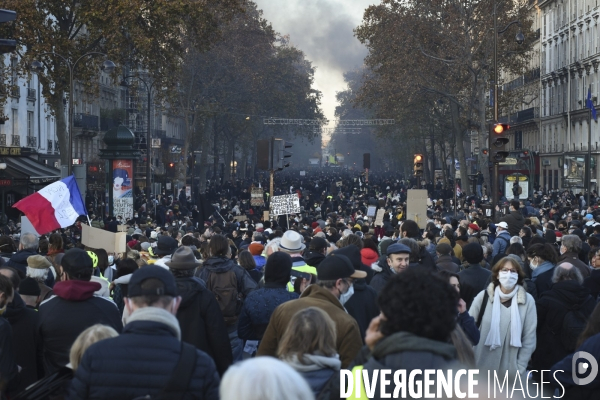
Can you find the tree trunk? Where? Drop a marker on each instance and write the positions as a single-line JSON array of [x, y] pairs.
[[228, 160], [62, 133], [460, 148], [208, 133], [243, 163]]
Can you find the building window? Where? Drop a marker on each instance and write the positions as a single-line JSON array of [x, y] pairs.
[[556, 179], [15, 122], [29, 123]]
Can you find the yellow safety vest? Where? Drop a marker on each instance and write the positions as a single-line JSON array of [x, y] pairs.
[[363, 394]]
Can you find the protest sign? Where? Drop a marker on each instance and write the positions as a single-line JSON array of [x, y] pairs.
[[256, 197], [371, 211], [416, 206], [240, 218], [101, 239], [379, 217], [286, 204], [265, 215]]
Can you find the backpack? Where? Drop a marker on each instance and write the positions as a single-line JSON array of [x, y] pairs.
[[225, 288], [520, 190]]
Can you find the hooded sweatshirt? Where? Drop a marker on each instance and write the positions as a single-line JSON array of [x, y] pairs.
[[72, 309]]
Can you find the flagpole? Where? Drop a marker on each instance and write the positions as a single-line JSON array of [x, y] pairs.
[[588, 164]]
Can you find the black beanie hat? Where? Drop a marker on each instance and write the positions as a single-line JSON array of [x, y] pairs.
[[473, 253], [278, 268]]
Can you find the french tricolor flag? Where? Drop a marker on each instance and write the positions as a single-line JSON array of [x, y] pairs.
[[56, 206]]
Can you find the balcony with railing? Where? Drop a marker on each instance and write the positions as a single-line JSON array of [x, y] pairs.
[[15, 92], [32, 141], [521, 116], [3, 139], [16, 140], [86, 122]]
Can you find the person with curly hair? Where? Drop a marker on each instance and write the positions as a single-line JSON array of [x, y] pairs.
[[507, 319], [414, 328]]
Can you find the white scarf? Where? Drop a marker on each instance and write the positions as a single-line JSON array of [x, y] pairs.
[[493, 338]]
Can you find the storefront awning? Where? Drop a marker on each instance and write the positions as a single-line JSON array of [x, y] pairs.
[[28, 168]]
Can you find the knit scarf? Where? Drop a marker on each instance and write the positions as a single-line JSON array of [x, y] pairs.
[[156, 314], [493, 338]]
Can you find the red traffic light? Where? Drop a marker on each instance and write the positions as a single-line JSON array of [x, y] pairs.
[[525, 153], [171, 165], [500, 128], [485, 152]]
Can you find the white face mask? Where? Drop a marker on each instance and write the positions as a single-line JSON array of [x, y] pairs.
[[344, 297], [508, 280], [532, 265]]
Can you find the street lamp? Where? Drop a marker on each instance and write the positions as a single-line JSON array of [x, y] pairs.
[[148, 144], [38, 67], [519, 38]]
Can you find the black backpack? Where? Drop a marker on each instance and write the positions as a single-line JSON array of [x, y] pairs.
[[573, 324]]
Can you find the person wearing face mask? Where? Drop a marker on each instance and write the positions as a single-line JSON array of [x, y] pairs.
[[507, 319], [542, 260], [335, 276], [157, 364], [570, 246]]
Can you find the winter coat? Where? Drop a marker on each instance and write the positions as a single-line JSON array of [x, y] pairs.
[[573, 258], [19, 261], [593, 283], [8, 365], [552, 307], [515, 221], [137, 363], [501, 243], [473, 280], [362, 305], [260, 262], [542, 277], [446, 263], [382, 274], [403, 351], [317, 370], [202, 323], [26, 340], [64, 316], [348, 341], [564, 373], [506, 357], [258, 308], [467, 324], [313, 258]]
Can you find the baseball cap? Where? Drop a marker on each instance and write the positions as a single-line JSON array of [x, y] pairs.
[[77, 263], [337, 266], [169, 287], [502, 224]]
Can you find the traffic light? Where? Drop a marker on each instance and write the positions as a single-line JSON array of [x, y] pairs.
[[280, 154], [499, 142], [264, 159], [7, 45], [418, 165], [366, 160], [485, 151]]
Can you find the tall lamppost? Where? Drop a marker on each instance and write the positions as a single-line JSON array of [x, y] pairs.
[[519, 38], [2, 168], [148, 138], [38, 67]]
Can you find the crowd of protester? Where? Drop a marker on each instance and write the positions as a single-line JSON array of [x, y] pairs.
[[211, 300]]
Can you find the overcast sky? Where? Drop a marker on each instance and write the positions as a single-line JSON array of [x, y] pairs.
[[323, 29]]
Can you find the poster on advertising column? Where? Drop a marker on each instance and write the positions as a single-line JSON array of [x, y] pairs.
[[123, 188]]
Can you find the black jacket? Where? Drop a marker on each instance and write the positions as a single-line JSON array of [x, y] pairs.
[[446, 263], [552, 306], [593, 283], [19, 261], [472, 281], [8, 366], [313, 258], [515, 221], [27, 343], [381, 277], [64, 316], [362, 305], [202, 323], [139, 363]]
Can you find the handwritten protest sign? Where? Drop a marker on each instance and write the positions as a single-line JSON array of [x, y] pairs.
[[286, 204], [256, 197], [101, 239]]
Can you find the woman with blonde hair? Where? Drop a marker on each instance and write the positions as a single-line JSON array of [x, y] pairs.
[[507, 318], [91, 335], [308, 345]]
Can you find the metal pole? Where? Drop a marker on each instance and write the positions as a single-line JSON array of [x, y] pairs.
[[148, 150], [495, 177], [271, 176], [588, 164], [70, 149]]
